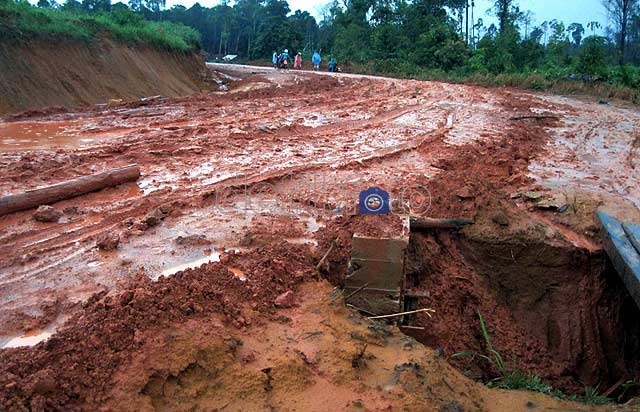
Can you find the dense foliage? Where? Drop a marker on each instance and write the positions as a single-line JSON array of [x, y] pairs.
[[20, 20], [412, 38], [425, 38]]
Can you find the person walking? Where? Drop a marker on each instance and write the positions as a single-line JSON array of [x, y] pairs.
[[333, 65], [298, 62], [316, 59], [284, 59], [274, 59]]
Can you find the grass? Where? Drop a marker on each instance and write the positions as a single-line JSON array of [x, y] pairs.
[[622, 82], [516, 379], [22, 21]]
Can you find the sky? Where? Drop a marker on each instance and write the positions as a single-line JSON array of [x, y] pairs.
[[568, 11]]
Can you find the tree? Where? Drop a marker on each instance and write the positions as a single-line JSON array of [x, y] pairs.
[[95, 6], [576, 30], [537, 34], [71, 5], [545, 29], [153, 6], [47, 4], [593, 26], [620, 13], [558, 43], [592, 58], [526, 19], [250, 14], [506, 17]]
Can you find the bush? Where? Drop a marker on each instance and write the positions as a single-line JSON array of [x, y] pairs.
[[627, 75], [20, 20], [592, 60], [452, 54]]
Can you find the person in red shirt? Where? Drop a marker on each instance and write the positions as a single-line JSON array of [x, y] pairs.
[[297, 64]]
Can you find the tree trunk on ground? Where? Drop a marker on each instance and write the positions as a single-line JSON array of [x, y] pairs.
[[65, 190], [425, 224]]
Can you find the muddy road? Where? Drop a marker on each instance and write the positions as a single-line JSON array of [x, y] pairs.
[[275, 161]]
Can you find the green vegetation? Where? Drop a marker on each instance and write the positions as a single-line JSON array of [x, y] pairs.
[[512, 378], [20, 20], [509, 378], [429, 39], [423, 39]]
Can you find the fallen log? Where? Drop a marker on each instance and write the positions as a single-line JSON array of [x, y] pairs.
[[534, 116], [424, 224], [65, 190]]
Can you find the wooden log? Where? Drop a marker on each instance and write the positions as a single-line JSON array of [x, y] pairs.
[[534, 116], [65, 190], [425, 224]]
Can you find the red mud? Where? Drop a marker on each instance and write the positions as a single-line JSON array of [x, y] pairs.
[[212, 163], [73, 370]]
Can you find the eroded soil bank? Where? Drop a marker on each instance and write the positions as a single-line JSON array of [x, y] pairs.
[[552, 309], [206, 340], [36, 75]]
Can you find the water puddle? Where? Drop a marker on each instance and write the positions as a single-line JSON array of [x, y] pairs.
[[152, 184], [48, 135], [213, 257], [409, 119], [29, 339], [315, 120], [247, 87], [312, 224], [35, 135], [312, 120], [301, 241]]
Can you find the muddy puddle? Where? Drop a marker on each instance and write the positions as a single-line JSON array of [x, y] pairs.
[[64, 134], [172, 270], [28, 339], [32, 337], [40, 135], [201, 237]]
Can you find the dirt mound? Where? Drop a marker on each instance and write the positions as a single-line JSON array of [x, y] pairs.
[[205, 339], [37, 75], [73, 369]]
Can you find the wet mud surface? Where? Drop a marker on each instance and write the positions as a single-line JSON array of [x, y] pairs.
[[255, 182]]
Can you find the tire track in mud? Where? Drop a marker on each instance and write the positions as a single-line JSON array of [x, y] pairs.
[[163, 151], [50, 240]]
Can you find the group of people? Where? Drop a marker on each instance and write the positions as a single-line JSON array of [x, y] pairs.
[[281, 61]]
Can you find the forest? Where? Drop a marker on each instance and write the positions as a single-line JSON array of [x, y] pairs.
[[420, 38]]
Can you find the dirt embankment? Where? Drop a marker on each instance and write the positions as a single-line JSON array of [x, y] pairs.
[[34, 75], [206, 339]]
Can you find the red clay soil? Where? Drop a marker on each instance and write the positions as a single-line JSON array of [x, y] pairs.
[[474, 179], [530, 286], [89, 74], [205, 338], [550, 309], [73, 370], [196, 150]]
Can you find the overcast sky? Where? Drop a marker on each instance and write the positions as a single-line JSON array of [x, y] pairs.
[[568, 11]]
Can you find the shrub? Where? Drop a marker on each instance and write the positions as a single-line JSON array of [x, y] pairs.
[[592, 60], [20, 20]]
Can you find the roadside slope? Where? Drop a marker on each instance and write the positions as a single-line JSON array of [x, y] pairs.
[[38, 74]]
